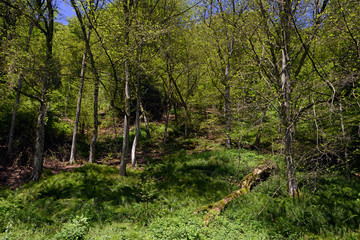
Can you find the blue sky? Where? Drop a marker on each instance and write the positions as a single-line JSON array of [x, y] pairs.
[[65, 11]]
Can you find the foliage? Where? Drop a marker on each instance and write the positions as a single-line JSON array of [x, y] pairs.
[[217, 68], [76, 229]]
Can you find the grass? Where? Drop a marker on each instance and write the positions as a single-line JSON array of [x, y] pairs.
[[93, 202]]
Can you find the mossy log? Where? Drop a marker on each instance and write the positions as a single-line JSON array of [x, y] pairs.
[[260, 173]]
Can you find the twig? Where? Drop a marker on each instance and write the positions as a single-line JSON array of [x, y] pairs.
[[271, 198]]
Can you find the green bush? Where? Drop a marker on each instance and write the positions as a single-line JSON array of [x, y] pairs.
[[75, 229]]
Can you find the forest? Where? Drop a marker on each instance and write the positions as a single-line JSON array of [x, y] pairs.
[[180, 119]]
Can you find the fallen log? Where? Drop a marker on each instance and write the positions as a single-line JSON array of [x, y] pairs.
[[260, 173]]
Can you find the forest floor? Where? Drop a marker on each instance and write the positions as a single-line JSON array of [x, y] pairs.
[[158, 199]]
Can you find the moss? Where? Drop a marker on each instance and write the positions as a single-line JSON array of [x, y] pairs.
[[247, 183]]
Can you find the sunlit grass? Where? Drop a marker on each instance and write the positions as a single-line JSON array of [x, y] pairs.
[[158, 201]]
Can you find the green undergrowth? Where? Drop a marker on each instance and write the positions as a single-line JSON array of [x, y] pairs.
[[93, 202]]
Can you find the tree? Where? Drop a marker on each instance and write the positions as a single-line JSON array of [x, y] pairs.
[[90, 10], [223, 25], [78, 106], [278, 21]]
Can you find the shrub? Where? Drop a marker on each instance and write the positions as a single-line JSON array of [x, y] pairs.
[[75, 229]]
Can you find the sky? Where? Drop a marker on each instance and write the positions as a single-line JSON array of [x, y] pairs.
[[66, 11]]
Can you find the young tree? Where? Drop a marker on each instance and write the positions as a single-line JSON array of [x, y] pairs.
[[78, 105], [90, 9], [18, 95], [223, 22]]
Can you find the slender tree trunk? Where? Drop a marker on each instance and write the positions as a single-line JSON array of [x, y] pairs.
[[187, 113], [227, 117], [348, 174], [227, 102], [166, 122], [285, 21], [137, 126], [95, 130], [125, 146], [148, 135], [258, 136], [17, 99], [127, 6], [169, 68], [114, 123], [137, 120], [78, 109], [13, 117], [168, 106]]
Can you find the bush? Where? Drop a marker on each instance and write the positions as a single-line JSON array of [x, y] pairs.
[[75, 229]]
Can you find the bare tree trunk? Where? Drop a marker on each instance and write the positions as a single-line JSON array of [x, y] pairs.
[[227, 117], [348, 174], [39, 144], [114, 123], [285, 21], [137, 126], [78, 108], [148, 135], [168, 106], [258, 136], [17, 99], [125, 146], [127, 6], [187, 113], [96, 123], [13, 117], [137, 120], [166, 122]]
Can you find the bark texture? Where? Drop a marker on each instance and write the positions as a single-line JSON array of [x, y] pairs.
[[286, 91], [259, 174]]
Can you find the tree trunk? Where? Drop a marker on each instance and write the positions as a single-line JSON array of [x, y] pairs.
[[125, 146], [285, 21], [95, 130], [78, 108], [148, 135], [227, 117], [17, 99], [168, 106], [13, 117], [137, 126], [127, 6], [258, 136], [166, 122], [40, 128], [348, 173], [39, 144], [137, 120]]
